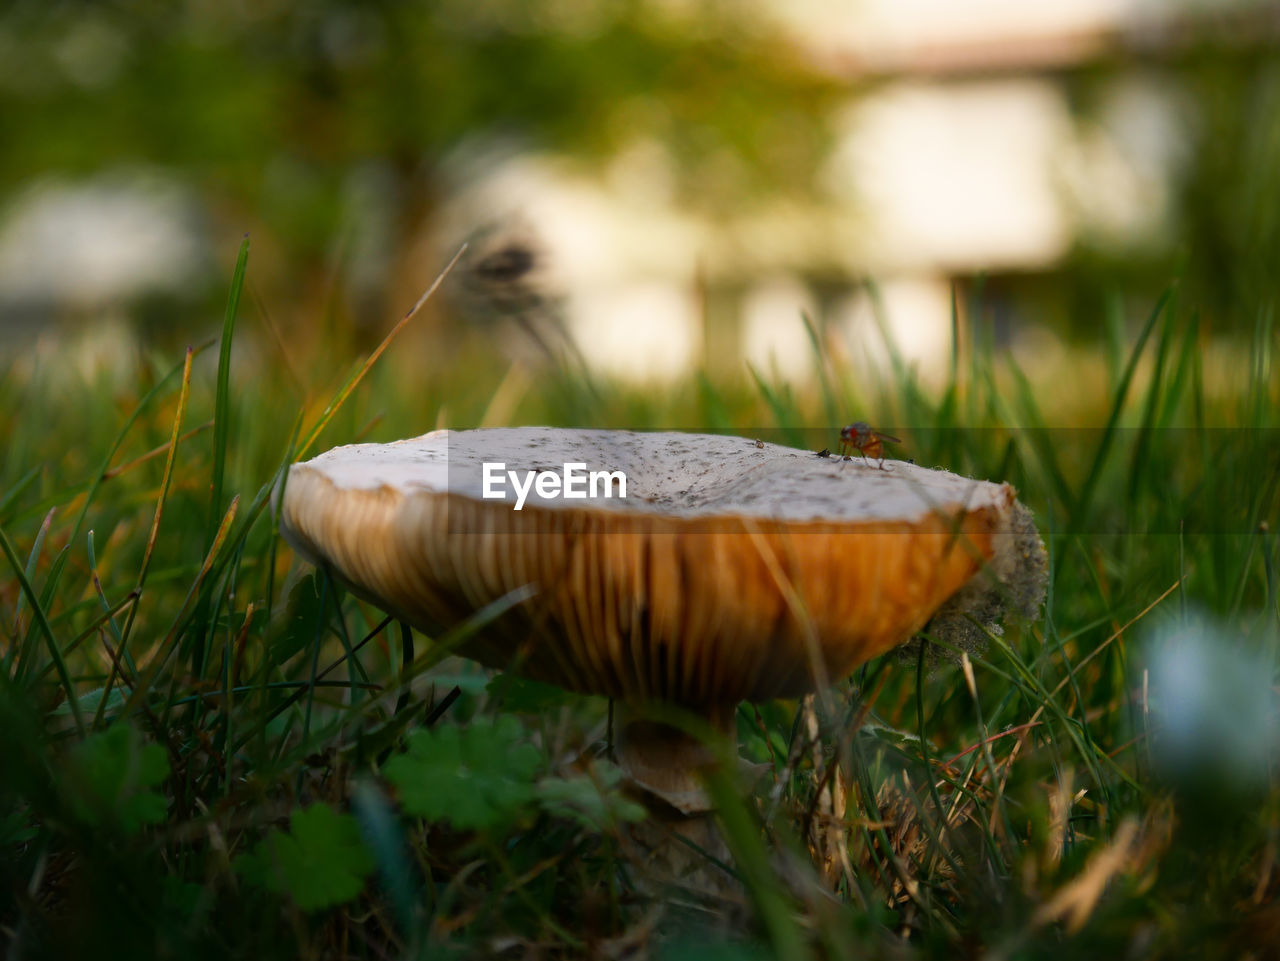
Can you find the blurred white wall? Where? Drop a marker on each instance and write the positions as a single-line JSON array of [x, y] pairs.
[[895, 35], [955, 177], [964, 157], [83, 244], [959, 155], [774, 339], [929, 182]]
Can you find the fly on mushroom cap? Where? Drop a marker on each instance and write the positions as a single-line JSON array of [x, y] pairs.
[[727, 572]]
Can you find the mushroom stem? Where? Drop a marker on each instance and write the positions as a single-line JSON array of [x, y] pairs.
[[668, 757]]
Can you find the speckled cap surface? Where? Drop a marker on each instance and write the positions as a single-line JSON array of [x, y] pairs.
[[731, 569]]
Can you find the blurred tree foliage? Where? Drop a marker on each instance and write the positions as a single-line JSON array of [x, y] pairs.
[[268, 106], [1222, 236], [282, 114]]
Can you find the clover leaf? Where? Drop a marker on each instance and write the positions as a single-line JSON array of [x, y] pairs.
[[478, 777], [320, 863], [593, 799], [116, 770]]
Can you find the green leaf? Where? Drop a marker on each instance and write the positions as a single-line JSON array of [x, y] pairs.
[[323, 861], [116, 770], [694, 949], [16, 827], [477, 777], [90, 700], [593, 799]]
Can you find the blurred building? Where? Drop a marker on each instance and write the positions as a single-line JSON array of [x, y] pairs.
[[91, 252], [958, 155]]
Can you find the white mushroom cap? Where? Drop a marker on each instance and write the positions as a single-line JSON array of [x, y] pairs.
[[729, 571]]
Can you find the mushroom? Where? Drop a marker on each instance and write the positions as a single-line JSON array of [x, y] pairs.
[[731, 570]]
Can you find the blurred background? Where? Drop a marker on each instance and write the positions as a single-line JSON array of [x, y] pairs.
[[1036, 241], [653, 188]]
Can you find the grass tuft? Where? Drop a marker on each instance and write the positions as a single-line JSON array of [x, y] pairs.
[[221, 752]]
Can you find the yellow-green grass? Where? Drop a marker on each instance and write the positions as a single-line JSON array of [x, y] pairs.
[[209, 749]]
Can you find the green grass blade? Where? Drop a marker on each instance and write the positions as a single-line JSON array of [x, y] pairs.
[[1040, 439], [830, 406], [183, 393], [784, 414], [222, 400], [32, 559], [1080, 513], [64, 676], [1140, 464], [148, 676], [354, 380], [91, 486], [19, 486], [1181, 378]]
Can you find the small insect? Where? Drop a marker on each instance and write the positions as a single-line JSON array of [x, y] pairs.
[[759, 443], [867, 442], [824, 452]]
